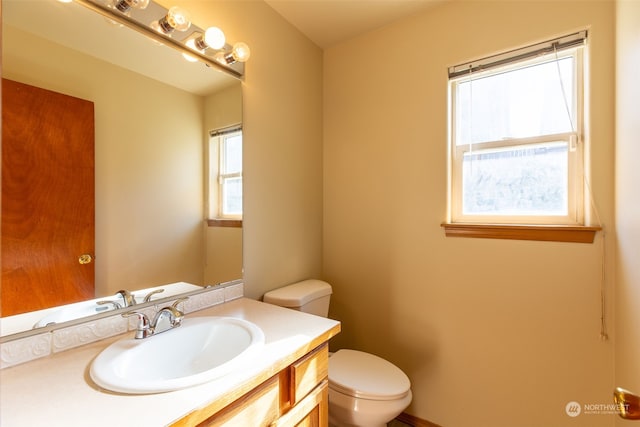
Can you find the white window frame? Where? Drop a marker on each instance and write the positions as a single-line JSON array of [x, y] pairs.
[[217, 175], [574, 139]]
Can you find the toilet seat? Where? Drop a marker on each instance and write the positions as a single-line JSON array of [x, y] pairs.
[[366, 376]]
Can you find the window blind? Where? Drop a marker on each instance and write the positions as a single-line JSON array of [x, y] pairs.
[[225, 130], [550, 46]]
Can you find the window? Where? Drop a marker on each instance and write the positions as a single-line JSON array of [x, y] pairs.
[[225, 174], [516, 149]]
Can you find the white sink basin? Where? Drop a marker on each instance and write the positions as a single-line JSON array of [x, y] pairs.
[[198, 351]]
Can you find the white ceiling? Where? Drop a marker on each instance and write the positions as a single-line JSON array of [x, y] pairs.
[[327, 22]]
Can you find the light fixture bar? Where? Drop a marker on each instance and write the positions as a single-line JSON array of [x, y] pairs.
[[236, 69]]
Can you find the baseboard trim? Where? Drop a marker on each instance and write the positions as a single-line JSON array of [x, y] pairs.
[[415, 421]]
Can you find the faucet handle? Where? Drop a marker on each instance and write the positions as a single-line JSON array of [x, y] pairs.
[[177, 314], [147, 297], [168, 317], [143, 328], [116, 304], [178, 301]]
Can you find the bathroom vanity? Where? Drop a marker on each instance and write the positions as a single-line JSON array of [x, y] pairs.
[[296, 395], [284, 385]]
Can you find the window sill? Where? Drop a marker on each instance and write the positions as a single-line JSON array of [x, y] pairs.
[[237, 223], [547, 233]]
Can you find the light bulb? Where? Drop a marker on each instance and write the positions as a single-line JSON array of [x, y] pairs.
[[176, 19], [241, 52], [214, 38]]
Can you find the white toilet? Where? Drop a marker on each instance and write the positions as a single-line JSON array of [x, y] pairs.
[[364, 390]]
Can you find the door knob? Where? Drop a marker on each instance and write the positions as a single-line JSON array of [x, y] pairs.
[[85, 259]]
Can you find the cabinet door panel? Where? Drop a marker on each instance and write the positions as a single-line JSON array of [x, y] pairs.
[[258, 408], [312, 411], [308, 372]]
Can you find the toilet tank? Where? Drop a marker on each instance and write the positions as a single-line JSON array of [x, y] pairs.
[[310, 296]]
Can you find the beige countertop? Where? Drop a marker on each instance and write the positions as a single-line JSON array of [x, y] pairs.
[[57, 390]]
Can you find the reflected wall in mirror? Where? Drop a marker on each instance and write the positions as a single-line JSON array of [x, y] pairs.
[[151, 141]]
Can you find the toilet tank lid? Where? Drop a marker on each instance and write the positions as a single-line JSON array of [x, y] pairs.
[[298, 294]]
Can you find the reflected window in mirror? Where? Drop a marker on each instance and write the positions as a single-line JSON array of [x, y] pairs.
[[225, 185]]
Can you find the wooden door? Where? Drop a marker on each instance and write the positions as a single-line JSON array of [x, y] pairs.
[[47, 199]]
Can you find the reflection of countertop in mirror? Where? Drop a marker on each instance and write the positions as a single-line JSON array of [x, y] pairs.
[[60, 388]]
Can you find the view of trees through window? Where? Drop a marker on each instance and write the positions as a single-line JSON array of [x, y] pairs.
[[530, 180]]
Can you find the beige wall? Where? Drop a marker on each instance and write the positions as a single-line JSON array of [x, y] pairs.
[[627, 351], [223, 108], [491, 333], [282, 137], [149, 162]]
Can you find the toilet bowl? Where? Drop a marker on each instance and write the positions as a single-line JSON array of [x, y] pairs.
[[344, 411], [364, 390]]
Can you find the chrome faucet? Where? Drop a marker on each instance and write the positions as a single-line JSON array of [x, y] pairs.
[[166, 318], [129, 299]]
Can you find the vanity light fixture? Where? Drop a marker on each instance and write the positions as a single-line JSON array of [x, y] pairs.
[[176, 19], [173, 27]]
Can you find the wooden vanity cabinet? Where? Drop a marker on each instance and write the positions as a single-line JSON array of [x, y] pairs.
[[297, 396], [305, 391]]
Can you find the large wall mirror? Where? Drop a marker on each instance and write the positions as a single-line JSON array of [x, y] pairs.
[[153, 112]]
